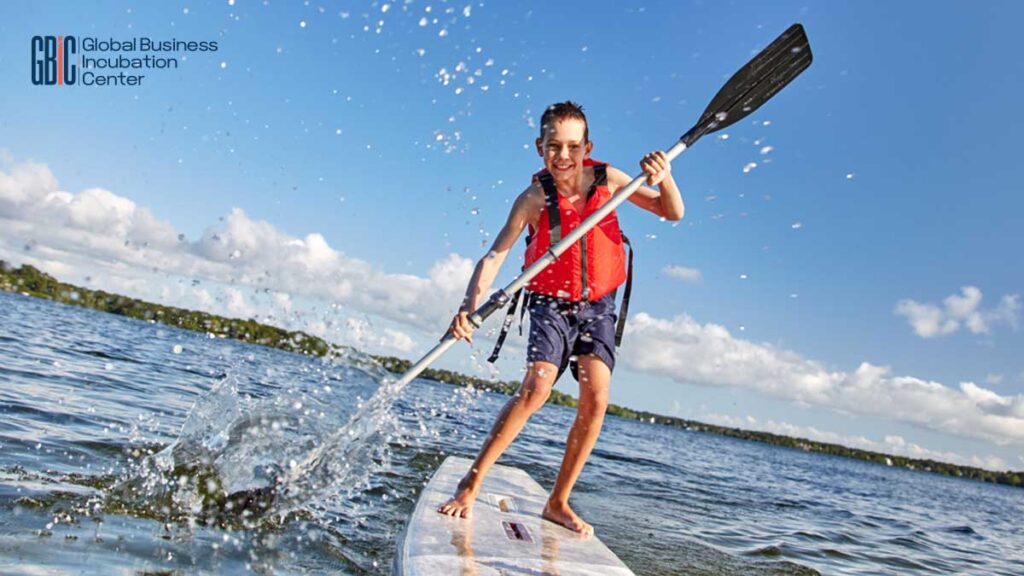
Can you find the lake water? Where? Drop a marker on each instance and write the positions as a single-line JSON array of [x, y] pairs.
[[112, 430]]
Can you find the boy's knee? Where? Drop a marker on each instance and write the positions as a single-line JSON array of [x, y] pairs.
[[593, 403], [534, 392], [534, 400]]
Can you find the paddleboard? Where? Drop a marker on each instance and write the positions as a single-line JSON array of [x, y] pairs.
[[506, 535]]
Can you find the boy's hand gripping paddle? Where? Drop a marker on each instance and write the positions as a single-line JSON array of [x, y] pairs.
[[753, 85]]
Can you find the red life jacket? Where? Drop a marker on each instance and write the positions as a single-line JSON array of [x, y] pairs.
[[592, 267]]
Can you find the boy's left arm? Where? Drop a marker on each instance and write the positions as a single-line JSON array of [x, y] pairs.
[[666, 202]]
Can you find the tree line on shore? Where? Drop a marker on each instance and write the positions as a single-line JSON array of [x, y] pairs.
[[33, 282]]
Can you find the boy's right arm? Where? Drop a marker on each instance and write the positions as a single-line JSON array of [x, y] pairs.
[[525, 210]]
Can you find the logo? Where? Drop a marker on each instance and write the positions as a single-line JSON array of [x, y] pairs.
[[53, 60], [89, 61]]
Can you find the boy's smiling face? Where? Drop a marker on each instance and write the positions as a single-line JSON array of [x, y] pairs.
[[564, 147]]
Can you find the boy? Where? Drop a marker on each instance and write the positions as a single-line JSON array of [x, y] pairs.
[[571, 302]]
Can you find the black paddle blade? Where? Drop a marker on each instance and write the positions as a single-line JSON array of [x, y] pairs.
[[754, 84]]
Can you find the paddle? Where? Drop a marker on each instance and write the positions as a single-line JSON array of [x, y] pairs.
[[753, 85]]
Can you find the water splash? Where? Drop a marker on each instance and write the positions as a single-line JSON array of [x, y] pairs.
[[242, 460]]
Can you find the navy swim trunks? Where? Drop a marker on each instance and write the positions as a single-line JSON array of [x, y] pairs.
[[560, 329]]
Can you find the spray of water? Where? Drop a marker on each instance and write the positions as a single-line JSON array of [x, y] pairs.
[[247, 461]]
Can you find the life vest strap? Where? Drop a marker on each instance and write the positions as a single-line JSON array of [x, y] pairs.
[[620, 328], [551, 199], [600, 179], [507, 323]]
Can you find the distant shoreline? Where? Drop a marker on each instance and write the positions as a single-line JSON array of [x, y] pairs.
[[30, 281]]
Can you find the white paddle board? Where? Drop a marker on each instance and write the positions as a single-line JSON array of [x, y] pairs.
[[506, 535]]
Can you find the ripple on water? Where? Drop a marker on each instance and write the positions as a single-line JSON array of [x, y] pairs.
[[907, 542], [965, 530]]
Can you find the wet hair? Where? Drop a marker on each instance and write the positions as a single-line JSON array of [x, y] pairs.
[[564, 111]]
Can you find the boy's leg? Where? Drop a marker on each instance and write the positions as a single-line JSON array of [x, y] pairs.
[[532, 394], [595, 377]]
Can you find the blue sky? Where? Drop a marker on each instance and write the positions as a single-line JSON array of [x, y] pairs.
[[880, 225]]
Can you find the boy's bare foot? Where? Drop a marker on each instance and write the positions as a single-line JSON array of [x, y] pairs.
[[461, 504], [563, 515]]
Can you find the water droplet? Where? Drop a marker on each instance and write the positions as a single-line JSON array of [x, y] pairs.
[[302, 23], [177, 349], [797, 225], [750, 166]]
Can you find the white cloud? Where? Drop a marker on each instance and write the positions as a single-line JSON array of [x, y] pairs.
[[989, 463], [926, 319], [283, 302], [365, 334], [707, 355], [237, 304], [26, 185], [984, 397], [75, 235], [691, 275], [205, 299], [964, 309], [1008, 311], [398, 340], [892, 444]]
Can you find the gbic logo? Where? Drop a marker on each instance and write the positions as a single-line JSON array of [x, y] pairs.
[[53, 60]]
